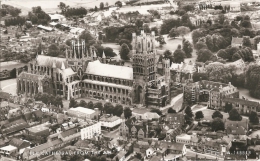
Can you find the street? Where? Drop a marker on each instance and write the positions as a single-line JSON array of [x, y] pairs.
[[191, 153]]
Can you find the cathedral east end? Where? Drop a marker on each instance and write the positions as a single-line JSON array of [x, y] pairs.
[[83, 74]]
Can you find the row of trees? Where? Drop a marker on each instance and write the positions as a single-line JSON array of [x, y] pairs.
[[7, 9], [38, 16], [174, 23], [49, 99], [235, 53], [107, 108], [15, 21], [69, 12]]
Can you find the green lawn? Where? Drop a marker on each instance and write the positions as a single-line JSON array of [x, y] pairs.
[[208, 115]]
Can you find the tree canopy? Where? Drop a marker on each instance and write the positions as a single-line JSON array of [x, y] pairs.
[[124, 52], [217, 114], [234, 115], [217, 124], [204, 55], [199, 115], [253, 118]]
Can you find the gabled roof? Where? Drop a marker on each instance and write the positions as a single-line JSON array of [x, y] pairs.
[[18, 143], [107, 70], [69, 132], [31, 76], [48, 61], [242, 102], [4, 95]]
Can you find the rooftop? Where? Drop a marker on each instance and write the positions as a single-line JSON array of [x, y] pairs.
[[38, 128], [109, 119], [107, 70], [8, 148], [82, 110], [241, 101]]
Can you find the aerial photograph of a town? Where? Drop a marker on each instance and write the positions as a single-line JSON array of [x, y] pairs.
[[129, 80]]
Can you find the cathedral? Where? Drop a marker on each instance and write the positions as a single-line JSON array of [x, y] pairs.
[[82, 74]]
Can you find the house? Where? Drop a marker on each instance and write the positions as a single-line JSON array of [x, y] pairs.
[[171, 151], [8, 150], [133, 128], [174, 119], [209, 91], [139, 113], [213, 147], [89, 129], [243, 106], [141, 147], [238, 42], [120, 156], [19, 144], [14, 126], [39, 130], [110, 122], [184, 139]]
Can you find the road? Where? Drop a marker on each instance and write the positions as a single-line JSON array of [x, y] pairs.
[[176, 103], [200, 155]]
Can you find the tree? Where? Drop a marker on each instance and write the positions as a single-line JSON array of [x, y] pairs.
[[197, 34], [199, 115], [101, 5], [204, 55], [182, 30], [53, 50], [139, 23], [179, 56], [73, 103], [90, 105], [170, 110], [127, 112], [188, 112], [161, 40], [124, 52], [107, 4], [252, 80], [253, 118], [200, 45], [168, 25], [217, 124], [228, 107], [108, 108], [217, 114], [187, 48], [234, 115], [247, 42], [119, 4], [157, 111], [221, 18], [173, 33], [118, 110], [15, 12], [199, 76], [155, 29], [146, 28], [99, 106], [85, 35], [223, 54]]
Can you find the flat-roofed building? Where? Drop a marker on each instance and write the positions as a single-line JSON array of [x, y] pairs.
[[89, 129], [83, 113], [7, 150], [39, 130], [110, 121]]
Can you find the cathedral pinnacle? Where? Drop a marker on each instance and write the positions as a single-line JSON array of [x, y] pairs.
[[62, 66], [103, 56]]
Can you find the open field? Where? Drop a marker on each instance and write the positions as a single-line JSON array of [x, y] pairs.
[[208, 115], [51, 6]]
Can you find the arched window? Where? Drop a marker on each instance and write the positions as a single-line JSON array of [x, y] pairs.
[[139, 45], [148, 44]]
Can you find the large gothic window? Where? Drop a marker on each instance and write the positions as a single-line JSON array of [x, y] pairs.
[[139, 45], [148, 44]]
